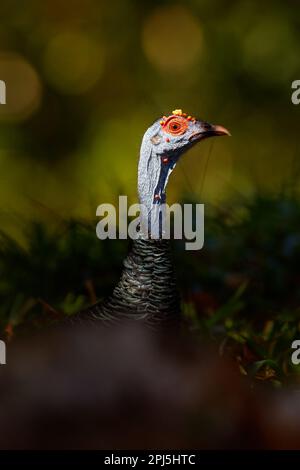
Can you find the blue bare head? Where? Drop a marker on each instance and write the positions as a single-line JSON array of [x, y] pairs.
[[163, 144]]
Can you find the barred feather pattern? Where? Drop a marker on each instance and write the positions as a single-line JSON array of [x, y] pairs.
[[147, 289]]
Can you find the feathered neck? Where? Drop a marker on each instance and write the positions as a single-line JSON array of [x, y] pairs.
[[147, 289]]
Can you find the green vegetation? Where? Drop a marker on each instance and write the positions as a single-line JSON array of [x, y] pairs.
[[241, 290]]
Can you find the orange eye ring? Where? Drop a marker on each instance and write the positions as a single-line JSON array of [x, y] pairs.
[[175, 125]]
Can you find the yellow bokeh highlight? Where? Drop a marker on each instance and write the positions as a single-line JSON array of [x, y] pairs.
[[172, 38], [73, 62], [23, 88]]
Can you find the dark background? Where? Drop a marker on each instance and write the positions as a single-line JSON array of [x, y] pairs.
[[84, 81], [86, 78]]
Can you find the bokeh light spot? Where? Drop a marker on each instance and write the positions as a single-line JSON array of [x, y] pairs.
[[270, 50], [73, 62], [23, 88], [172, 38]]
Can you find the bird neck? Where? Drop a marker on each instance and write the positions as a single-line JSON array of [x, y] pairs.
[[147, 289], [153, 174]]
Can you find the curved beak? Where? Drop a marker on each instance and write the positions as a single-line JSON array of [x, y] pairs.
[[206, 130], [219, 130]]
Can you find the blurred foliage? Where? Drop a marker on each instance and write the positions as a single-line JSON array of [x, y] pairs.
[[245, 284], [241, 289], [55, 272], [85, 78]]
